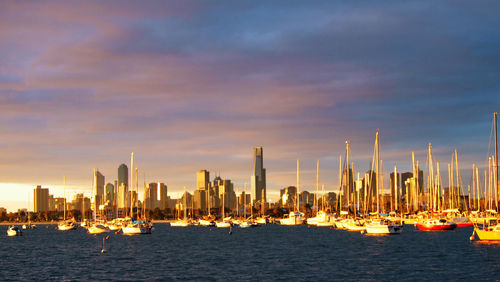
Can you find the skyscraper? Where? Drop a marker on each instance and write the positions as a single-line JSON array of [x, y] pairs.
[[40, 199], [123, 175], [258, 179], [109, 193], [121, 190], [202, 179], [98, 188]]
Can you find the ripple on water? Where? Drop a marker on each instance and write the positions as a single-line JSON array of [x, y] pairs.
[[267, 253]]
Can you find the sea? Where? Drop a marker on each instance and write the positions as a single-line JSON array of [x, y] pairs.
[[267, 253]]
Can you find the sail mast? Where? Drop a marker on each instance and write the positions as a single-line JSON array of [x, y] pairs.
[[317, 183], [131, 180], [297, 193], [377, 172], [348, 176], [64, 187], [340, 182], [496, 160]]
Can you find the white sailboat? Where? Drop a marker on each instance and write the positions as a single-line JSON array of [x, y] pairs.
[[226, 221], [295, 217], [66, 225], [322, 218], [132, 227], [379, 225], [182, 222], [14, 231]]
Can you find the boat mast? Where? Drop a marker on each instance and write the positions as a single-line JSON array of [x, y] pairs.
[[431, 177], [185, 204], [496, 160], [64, 188], [458, 180], [477, 189], [413, 193], [297, 193], [357, 195], [395, 188], [348, 176], [136, 199], [340, 183], [131, 180], [438, 187], [377, 170], [317, 183]]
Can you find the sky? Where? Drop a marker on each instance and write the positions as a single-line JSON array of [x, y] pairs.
[[191, 85]]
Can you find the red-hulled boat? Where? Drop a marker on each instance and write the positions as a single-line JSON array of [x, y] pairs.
[[462, 222], [436, 225]]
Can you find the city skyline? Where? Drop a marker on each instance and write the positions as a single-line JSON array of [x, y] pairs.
[[193, 85]]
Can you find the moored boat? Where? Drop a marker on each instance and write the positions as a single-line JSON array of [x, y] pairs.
[[294, 218], [181, 223], [66, 225], [383, 226], [14, 231], [355, 225], [436, 225], [136, 228], [489, 232], [97, 229]]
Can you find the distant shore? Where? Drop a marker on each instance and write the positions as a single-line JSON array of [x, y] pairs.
[[55, 222]]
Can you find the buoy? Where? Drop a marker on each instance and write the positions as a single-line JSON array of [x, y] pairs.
[[362, 232], [331, 227], [210, 229], [103, 245], [472, 238]]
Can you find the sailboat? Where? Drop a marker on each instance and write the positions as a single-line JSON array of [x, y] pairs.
[[183, 222], [135, 227], [379, 225], [29, 225], [226, 221], [490, 230], [66, 225], [322, 218], [434, 224], [295, 217], [14, 231]]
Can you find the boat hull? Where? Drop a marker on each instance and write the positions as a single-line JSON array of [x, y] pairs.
[[14, 232], [135, 230], [384, 229], [223, 224], [466, 224], [436, 227], [66, 227], [487, 235], [97, 230]]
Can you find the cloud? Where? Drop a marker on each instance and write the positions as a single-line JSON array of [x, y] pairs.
[[195, 85]]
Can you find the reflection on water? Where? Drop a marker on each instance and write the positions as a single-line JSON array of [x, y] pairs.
[[266, 253]]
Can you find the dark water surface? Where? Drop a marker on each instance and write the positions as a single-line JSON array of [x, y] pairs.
[[271, 252]]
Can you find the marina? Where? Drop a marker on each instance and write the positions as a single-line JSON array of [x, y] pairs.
[[283, 252]]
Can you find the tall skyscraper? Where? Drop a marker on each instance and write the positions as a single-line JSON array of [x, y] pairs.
[[122, 189], [109, 193], [258, 179], [40, 199], [98, 188], [123, 175], [202, 179], [155, 196]]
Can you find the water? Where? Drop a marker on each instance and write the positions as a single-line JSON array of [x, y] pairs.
[[267, 253]]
